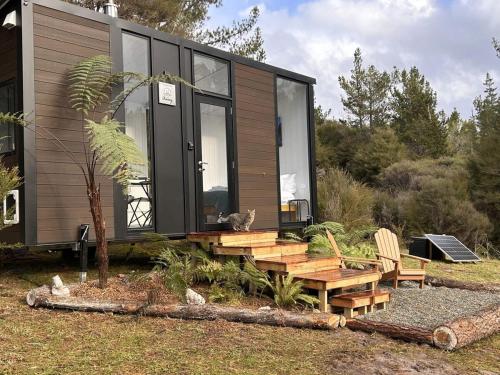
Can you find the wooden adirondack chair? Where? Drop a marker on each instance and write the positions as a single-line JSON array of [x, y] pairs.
[[392, 266], [373, 262]]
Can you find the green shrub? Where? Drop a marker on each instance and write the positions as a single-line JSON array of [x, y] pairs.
[[288, 292], [429, 196], [178, 272], [343, 200], [382, 150]]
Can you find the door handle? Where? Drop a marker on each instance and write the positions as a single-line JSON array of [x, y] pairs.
[[202, 163]]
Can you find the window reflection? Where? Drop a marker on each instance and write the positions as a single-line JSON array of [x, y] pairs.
[[293, 142], [7, 99], [138, 126], [211, 74]]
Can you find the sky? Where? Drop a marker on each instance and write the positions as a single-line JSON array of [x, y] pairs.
[[449, 41]]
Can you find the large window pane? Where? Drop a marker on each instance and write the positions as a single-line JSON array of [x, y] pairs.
[[214, 154], [7, 99], [211, 74], [138, 126], [293, 142]]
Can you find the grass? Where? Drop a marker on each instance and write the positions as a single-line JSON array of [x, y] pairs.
[[486, 271], [39, 341]]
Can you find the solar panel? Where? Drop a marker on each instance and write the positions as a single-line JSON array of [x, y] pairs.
[[452, 248]]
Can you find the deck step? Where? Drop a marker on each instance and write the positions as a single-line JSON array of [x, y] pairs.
[[231, 238], [299, 263], [360, 303], [339, 278], [262, 250], [364, 298]]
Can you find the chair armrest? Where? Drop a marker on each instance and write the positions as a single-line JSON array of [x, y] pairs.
[[423, 261], [361, 260], [389, 258], [416, 258]]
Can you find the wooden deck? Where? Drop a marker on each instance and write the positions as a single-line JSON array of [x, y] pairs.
[[299, 263], [262, 250], [338, 278], [270, 254], [231, 238]]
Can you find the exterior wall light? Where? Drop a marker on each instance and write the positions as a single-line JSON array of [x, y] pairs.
[[10, 20]]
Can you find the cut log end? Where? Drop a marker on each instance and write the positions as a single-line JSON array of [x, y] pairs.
[[445, 338]]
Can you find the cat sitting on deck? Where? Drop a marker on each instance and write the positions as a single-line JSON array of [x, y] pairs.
[[239, 222]]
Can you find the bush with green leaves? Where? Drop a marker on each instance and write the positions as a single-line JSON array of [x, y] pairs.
[[356, 242], [228, 281], [288, 292], [430, 196], [344, 200]]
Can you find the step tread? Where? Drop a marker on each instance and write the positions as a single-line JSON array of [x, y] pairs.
[[362, 294], [297, 258], [334, 275], [261, 245]]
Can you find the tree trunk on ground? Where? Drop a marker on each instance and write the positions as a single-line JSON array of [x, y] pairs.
[[41, 297], [474, 286], [466, 330], [94, 194], [406, 333]]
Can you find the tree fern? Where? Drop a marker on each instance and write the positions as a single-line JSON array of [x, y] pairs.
[[91, 81], [117, 151]]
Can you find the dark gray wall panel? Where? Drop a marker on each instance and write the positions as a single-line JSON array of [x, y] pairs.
[[168, 139]]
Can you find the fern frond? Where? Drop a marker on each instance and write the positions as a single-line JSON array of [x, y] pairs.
[[91, 81], [118, 153], [17, 119], [332, 227]]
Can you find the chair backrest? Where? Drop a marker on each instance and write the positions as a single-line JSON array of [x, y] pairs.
[[335, 247], [387, 243]]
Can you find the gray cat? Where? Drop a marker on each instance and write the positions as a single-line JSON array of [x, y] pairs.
[[239, 222]]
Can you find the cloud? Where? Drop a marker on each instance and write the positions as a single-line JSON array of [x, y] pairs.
[[449, 41]]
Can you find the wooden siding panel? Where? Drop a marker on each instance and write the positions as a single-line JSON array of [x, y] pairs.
[[255, 118], [60, 41]]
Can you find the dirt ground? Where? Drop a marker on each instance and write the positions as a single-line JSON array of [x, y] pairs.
[[38, 341]]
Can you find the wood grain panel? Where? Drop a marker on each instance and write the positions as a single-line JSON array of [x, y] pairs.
[[255, 118], [60, 41]]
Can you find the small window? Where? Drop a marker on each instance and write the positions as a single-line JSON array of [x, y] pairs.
[[7, 105], [211, 74]]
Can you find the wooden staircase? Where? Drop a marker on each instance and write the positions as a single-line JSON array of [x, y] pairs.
[[271, 254]]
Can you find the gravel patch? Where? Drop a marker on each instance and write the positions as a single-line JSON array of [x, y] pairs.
[[430, 307]]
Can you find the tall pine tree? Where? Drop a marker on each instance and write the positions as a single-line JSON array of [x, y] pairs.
[[485, 163], [415, 117], [366, 99]]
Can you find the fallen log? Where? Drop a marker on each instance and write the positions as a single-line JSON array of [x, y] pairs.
[[474, 286], [41, 297], [397, 331], [466, 330]]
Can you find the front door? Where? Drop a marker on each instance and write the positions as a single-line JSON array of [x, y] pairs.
[[214, 162]]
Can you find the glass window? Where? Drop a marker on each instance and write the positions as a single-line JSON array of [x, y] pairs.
[[214, 155], [138, 126], [211, 74], [293, 143], [7, 100]]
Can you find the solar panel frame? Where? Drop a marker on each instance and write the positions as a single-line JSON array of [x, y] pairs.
[[458, 254]]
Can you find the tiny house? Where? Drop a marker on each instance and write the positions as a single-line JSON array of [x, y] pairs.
[[244, 140]]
